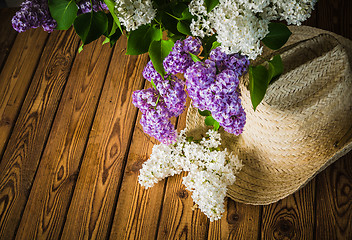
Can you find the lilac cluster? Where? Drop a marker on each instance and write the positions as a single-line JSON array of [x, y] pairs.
[[84, 6], [171, 100], [33, 14], [171, 89], [156, 116], [179, 59], [235, 62], [212, 86], [158, 105]]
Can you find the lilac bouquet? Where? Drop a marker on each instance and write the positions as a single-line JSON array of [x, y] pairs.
[[208, 47]]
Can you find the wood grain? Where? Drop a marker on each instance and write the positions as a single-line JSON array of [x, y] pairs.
[[240, 221], [335, 16], [8, 34], [178, 219], [92, 207], [334, 201], [48, 204], [138, 209], [334, 185], [21, 158], [16, 77], [292, 217]]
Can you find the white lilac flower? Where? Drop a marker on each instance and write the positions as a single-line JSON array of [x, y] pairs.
[[134, 13], [239, 30], [200, 26], [241, 24], [294, 11], [210, 171]]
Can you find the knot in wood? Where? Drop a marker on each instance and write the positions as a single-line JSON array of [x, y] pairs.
[[233, 218], [285, 228], [137, 166], [182, 193], [346, 190]]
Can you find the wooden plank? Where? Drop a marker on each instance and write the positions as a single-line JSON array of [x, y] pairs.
[[292, 217], [334, 185], [92, 206], [178, 220], [16, 77], [240, 221], [21, 158], [7, 34], [48, 204], [137, 211], [334, 201], [335, 16]]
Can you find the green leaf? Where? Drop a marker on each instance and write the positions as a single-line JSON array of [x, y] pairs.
[[170, 23], [112, 33], [140, 39], [64, 12], [111, 26], [90, 26], [276, 67], [216, 125], [207, 43], [183, 27], [111, 7], [209, 121], [277, 36], [80, 49], [204, 113], [173, 37], [153, 84], [106, 40], [194, 57], [258, 83], [211, 4], [178, 10], [186, 15], [115, 37], [215, 45], [158, 51]]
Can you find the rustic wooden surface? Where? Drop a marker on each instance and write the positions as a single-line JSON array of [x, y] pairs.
[[71, 147]]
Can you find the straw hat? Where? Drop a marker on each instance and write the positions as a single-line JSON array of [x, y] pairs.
[[303, 124]]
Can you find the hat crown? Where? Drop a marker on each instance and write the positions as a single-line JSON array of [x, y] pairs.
[[308, 110]]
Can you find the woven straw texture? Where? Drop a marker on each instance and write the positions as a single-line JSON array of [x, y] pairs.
[[303, 124]]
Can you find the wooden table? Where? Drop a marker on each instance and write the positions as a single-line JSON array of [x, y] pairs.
[[71, 147]]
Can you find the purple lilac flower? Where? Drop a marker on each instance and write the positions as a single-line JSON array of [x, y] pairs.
[[171, 88], [150, 73], [159, 127], [156, 116], [212, 85], [145, 99], [235, 62], [199, 77], [84, 6], [192, 45], [217, 55], [226, 82], [179, 59], [177, 62], [33, 14]]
